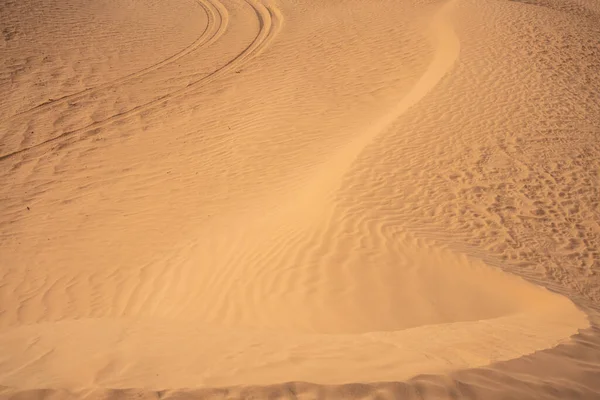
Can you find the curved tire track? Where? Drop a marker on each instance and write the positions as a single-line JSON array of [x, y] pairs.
[[270, 21], [217, 24]]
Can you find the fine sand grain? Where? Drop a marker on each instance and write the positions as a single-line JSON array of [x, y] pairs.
[[300, 199]]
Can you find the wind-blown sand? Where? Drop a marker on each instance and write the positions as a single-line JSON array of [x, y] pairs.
[[300, 199]]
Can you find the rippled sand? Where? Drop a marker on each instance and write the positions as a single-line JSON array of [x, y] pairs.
[[300, 199]]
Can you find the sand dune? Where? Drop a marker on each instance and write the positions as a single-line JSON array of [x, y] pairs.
[[300, 199]]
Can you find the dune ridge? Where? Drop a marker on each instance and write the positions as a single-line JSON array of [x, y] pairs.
[[419, 209]]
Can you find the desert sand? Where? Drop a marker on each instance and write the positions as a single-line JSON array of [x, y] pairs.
[[300, 199]]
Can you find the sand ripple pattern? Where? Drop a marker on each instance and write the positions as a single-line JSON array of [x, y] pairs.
[[218, 237]]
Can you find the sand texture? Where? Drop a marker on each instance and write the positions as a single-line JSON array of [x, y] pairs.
[[300, 199]]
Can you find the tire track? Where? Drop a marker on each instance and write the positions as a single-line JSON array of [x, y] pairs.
[[270, 21], [217, 24]]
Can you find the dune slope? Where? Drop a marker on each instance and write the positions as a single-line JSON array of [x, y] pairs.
[[213, 199]]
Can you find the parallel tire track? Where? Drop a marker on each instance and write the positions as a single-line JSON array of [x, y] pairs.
[[217, 24], [270, 21]]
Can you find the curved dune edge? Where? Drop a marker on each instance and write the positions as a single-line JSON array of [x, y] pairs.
[[148, 354], [123, 354], [160, 354]]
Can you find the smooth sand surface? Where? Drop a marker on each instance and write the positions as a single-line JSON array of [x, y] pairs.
[[300, 199]]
